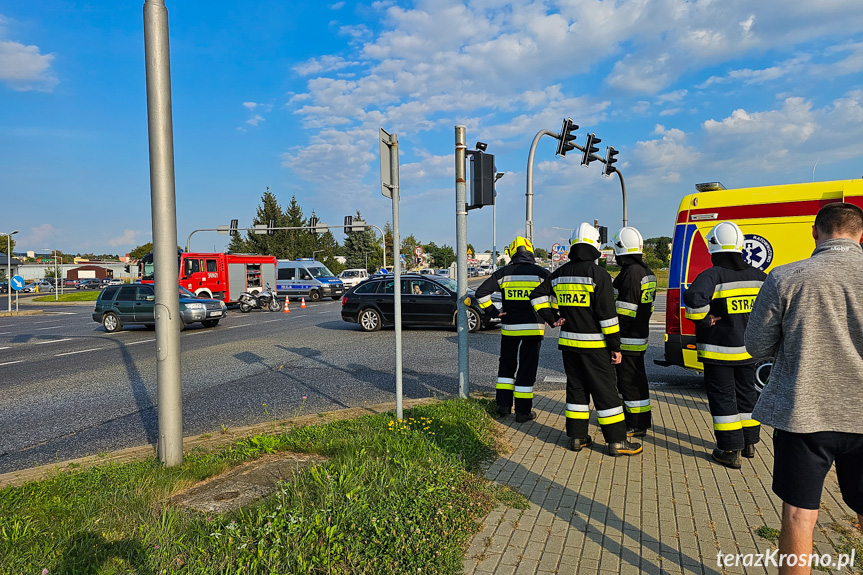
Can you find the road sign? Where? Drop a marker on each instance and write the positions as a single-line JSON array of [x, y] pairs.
[[558, 249], [555, 257], [17, 283], [554, 248], [419, 260], [418, 251]]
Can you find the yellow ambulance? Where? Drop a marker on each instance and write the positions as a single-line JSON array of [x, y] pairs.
[[777, 223]]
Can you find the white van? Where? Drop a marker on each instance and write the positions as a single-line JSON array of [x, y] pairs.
[[353, 276]]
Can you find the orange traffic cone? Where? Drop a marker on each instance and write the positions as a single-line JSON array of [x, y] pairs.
[[303, 302], [287, 307]]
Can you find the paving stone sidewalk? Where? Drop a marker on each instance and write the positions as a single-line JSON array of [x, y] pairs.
[[668, 510]]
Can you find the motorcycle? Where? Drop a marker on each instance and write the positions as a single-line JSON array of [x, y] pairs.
[[264, 299]]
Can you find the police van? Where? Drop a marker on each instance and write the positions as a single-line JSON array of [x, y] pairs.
[[777, 224], [308, 278]]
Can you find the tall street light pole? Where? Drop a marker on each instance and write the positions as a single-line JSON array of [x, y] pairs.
[[57, 283], [9, 269], [497, 176]]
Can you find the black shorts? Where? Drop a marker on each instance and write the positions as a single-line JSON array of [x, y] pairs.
[[802, 460]]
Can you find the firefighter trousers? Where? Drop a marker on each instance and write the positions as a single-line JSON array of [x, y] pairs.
[[632, 385], [516, 372], [731, 396], [591, 375]]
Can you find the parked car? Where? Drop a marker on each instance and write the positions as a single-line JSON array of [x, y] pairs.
[[443, 272], [426, 300], [70, 283], [135, 304], [352, 277], [115, 282], [89, 283], [4, 287], [41, 287], [426, 272]]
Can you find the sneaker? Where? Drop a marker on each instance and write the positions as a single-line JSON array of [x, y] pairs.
[[522, 417], [624, 447], [748, 451], [727, 458], [635, 432], [579, 443]]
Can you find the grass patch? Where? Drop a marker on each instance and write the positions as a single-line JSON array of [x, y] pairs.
[[849, 540], [768, 533], [394, 497], [87, 295]]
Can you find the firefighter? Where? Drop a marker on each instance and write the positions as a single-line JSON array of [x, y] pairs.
[[719, 302], [521, 329], [635, 287], [578, 298]]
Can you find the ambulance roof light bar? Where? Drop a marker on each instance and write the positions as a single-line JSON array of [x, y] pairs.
[[709, 187]]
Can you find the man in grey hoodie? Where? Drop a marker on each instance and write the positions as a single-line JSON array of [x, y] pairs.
[[809, 317]]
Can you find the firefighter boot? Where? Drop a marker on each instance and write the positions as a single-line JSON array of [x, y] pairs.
[[727, 458], [579, 443], [635, 432], [624, 447], [748, 451], [522, 417]]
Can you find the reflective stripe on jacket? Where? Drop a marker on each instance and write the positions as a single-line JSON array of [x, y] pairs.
[[514, 282], [635, 287]]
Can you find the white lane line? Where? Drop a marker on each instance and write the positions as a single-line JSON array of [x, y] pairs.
[[53, 341], [74, 352], [142, 341], [271, 320], [323, 312], [11, 362], [49, 321], [241, 325], [554, 379], [61, 313], [49, 327], [5, 333], [7, 347]]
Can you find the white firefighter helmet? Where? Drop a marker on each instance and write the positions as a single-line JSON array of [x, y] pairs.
[[627, 242], [725, 237], [585, 234]]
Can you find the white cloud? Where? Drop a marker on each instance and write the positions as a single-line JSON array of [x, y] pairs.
[[24, 68], [250, 105], [255, 120], [127, 238], [337, 6]]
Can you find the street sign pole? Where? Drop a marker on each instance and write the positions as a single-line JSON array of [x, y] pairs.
[[528, 225], [389, 148], [164, 212], [461, 259]]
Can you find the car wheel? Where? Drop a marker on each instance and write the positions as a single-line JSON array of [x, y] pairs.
[[274, 304], [314, 295], [210, 322], [244, 307], [111, 322], [369, 320], [473, 321]]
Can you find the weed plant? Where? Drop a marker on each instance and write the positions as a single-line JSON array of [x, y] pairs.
[[393, 497]]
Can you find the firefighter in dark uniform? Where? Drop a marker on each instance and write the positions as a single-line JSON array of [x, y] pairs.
[[635, 287], [578, 298], [719, 302], [521, 329]]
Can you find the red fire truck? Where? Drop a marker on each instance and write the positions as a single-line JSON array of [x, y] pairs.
[[220, 276]]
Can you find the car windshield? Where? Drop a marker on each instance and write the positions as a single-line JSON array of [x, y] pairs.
[[448, 283], [185, 293], [350, 274], [320, 272]]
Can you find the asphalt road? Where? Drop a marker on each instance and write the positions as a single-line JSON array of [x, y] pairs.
[[68, 388]]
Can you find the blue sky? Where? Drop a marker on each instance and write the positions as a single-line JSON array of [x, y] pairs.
[[291, 94]]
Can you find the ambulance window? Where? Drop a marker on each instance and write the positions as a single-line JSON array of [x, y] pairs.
[[192, 267], [211, 266]]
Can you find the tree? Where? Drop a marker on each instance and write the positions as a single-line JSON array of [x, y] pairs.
[[541, 253], [5, 242], [409, 244], [388, 240], [660, 248], [141, 251], [362, 249]]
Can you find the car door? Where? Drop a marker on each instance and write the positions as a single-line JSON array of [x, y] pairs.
[[124, 303], [385, 300], [145, 304], [429, 302]]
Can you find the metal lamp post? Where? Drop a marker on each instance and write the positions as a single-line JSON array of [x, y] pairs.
[[366, 255], [497, 176], [56, 274], [9, 268]]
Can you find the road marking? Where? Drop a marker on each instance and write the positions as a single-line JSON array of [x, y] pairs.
[[49, 327], [241, 325], [6, 333], [60, 313], [323, 312], [142, 341], [53, 341], [271, 320], [11, 362], [49, 321], [7, 347], [74, 352], [554, 379]]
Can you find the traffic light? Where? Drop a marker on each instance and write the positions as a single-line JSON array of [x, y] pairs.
[[590, 149], [234, 225], [270, 230], [482, 180], [603, 235], [348, 221], [565, 144], [313, 224], [610, 160]]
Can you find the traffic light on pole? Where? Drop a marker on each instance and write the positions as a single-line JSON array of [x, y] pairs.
[[590, 149], [313, 224], [270, 230], [348, 221], [564, 143], [610, 160], [234, 225]]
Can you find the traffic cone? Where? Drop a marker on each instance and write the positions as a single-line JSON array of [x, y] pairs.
[[303, 302], [287, 307]]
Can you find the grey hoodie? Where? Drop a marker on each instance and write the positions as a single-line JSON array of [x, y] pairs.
[[809, 316]]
